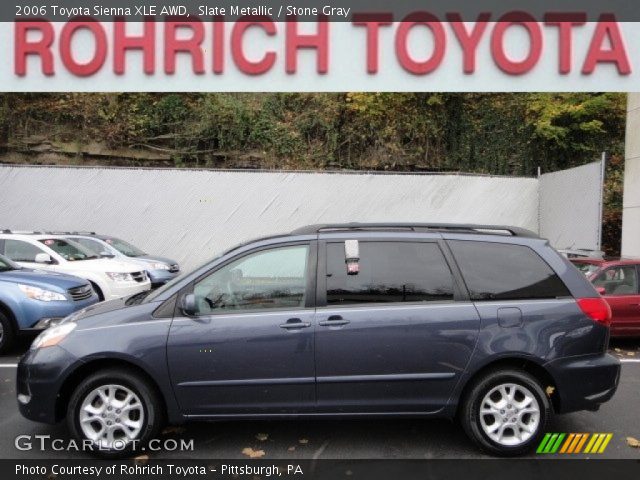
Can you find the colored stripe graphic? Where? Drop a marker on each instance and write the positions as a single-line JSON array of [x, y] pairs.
[[543, 443], [606, 442], [598, 443], [567, 443], [583, 439], [591, 443], [573, 443]]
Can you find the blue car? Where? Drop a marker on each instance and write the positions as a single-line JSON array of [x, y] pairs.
[[31, 300]]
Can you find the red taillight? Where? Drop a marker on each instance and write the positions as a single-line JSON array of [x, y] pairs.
[[596, 309]]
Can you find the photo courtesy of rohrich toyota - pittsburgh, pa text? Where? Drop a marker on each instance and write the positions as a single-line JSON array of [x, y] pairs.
[[356, 240]]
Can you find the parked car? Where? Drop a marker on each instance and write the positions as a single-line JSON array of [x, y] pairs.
[[617, 281], [110, 279], [31, 300], [487, 324], [159, 269]]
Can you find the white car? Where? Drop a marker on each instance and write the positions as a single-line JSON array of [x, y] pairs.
[[111, 279]]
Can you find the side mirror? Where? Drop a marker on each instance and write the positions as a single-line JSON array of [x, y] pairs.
[[106, 254], [601, 290], [188, 305], [44, 258]]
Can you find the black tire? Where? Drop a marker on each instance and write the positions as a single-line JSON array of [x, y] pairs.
[[469, 414], [8, 335], [151, 405]]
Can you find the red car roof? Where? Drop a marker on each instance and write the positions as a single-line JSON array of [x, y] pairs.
[[606, 262]]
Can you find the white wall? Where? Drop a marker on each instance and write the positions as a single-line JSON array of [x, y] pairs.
[[571, 207], [192, 215], [631, 204]]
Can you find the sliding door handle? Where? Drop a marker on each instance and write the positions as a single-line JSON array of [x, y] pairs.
[[295, 324], [333, 321]]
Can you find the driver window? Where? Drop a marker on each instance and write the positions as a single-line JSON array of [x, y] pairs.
[[270, 279]]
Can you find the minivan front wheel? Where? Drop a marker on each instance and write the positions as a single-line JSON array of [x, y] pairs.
[[505, 412], [115, 411]]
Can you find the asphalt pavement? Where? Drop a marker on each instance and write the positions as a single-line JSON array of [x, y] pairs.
[[340, 439]]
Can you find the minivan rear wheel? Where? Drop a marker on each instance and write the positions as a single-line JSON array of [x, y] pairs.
[[505, 412], [116, 411]]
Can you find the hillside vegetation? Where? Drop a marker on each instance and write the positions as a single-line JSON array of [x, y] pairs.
[[500, 134]]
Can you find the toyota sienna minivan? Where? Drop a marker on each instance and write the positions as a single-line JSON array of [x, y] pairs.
[[486, 324]]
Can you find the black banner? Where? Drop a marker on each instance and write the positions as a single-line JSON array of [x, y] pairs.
[[493, 469]]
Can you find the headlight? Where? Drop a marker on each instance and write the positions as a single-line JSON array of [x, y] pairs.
[[53, 335], [36, 293], [158, 266], [120, 277]]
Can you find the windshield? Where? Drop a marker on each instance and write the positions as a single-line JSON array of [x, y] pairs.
[[69, 250], [124, 247], [7, 265], [586, 268]]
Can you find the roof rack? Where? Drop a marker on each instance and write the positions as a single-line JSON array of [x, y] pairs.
[[70, 233], [21, 232], [44, 232], [439, 227]]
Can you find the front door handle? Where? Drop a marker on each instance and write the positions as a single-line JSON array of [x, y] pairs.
[[333, 321], [295, 324]]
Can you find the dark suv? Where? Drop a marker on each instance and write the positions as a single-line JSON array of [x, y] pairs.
[[485, 323]]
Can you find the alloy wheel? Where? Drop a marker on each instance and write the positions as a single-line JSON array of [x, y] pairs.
[[111, 416], [509, 414]]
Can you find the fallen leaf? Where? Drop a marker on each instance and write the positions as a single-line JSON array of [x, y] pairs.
[[251, 453], [262, 437], [173, 429], [633, 442], [303, 441], [291, 449], [617, 350], [550, 390], [631, 354], [141, 459]]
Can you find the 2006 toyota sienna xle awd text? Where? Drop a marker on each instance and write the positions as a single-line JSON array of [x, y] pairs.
[[487, 324]]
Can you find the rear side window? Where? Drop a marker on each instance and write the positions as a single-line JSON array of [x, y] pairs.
[[20, 251], [389, 272], [498, 271]]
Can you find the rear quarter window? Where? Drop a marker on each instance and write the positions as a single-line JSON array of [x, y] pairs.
[[498, 271]]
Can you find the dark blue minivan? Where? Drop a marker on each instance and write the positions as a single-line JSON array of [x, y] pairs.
[[488, 324]]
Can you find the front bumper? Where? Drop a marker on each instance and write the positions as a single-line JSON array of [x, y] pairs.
[[585, 382], [40, 376]]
